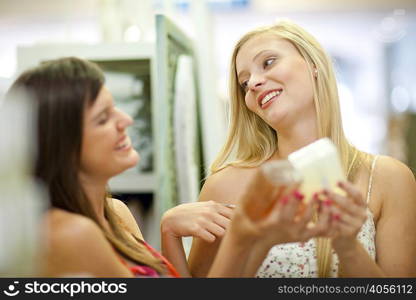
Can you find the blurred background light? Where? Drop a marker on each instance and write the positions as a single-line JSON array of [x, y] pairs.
[[400, 98], [132, 33]]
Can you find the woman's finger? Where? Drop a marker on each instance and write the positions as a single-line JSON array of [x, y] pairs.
[[290, 205], [307, 214], [333, 230], [319, 227], [205, 235], [324, 218], [346, 229], [347, 205], [349, 220], [226, 209], [350, 212], [352, 192], [221, 221], [213, 228]]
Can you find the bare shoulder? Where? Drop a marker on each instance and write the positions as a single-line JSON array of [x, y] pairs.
[[67, 236], [393, 180], [226, 185], [232, 174], [67, 223], [393, 172], [395, 238], [68, 230]]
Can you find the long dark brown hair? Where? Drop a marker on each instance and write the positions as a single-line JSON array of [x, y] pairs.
[[62, 89]]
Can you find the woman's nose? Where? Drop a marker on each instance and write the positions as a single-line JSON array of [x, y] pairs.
[[256, 82], [124, 120]]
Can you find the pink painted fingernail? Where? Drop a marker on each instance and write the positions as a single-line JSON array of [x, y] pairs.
[[298, 195], [326, 193], [336, 217], [340, 184], [328, 202], [316, 197], [284, 200]]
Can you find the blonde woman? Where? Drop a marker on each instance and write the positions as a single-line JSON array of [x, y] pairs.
[[82, 142], [283, 97]]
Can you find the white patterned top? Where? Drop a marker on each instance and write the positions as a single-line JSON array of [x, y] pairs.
[[300, 260]]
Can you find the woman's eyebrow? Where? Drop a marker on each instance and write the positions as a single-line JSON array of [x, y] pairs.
[[254, 58], [97, 115], [260, 53]]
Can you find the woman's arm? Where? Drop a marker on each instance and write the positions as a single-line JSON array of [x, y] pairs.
[[234, 252], [395, 229], [222, 187], [204, 220], [172, 249], [191, 219]]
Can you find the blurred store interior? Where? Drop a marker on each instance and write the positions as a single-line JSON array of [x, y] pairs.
[[372, 42]]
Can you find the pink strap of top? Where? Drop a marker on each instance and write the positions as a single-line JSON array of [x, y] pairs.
[[146, 271]]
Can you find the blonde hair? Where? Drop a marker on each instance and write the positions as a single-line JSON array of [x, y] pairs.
[[251, 141]]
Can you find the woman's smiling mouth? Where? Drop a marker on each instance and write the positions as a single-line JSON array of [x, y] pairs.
[[267, 97]]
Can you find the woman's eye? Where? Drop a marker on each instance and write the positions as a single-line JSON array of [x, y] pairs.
[[268, 62], [103, 119], [244, 84]]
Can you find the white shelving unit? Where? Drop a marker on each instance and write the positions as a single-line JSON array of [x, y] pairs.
[[32, 55], [130, 183]]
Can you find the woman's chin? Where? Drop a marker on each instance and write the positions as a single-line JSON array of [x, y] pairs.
[[128, 162], [133, 159]]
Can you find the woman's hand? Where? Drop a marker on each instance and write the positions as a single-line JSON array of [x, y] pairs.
[[206, 220], [266, 215], [349, 215], [274, 215]]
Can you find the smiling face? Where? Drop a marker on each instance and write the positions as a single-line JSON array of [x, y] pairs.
[[106, 148], [276, 80]]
